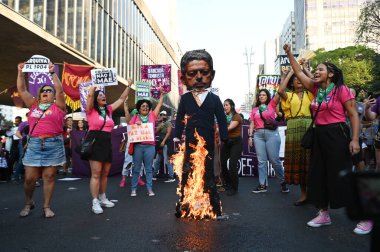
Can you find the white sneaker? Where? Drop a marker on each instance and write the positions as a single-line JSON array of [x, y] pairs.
[[151, 193], [104, 202], [96, 208], [133, 193]]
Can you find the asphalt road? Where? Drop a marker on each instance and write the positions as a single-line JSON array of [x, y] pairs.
[[257, 222]]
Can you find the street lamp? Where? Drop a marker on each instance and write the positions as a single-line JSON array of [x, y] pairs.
[[249, 63]]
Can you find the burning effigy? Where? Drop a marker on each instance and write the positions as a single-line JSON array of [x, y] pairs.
[[194, 200]]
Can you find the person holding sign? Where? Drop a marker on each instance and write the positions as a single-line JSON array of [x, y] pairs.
[[45, 151], [332, 145], [99, 116], [144, 151]]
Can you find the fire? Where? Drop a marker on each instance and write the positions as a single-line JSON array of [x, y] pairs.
[[196, 203]]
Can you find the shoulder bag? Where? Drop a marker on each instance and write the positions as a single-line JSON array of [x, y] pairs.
[[86, 145], [308, 137], [269, 123]]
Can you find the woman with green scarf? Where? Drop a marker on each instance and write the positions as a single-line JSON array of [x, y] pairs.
[[333, 143]]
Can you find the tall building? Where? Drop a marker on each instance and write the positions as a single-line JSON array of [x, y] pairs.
[[328, 24], [287, 36], [270, 55], [121, 34]]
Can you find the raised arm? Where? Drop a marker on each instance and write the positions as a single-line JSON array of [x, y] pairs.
[[305, 68], [126, 111], [160, 102], [369, 115], [59, 95], [122, 97], [90, 99], [26, 97], [305, 80], [284, 85]]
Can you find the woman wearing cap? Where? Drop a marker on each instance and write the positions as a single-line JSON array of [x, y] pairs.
[[45, 151], [144, 151]]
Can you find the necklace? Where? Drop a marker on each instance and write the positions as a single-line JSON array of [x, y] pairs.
[[290, 108], [144, 119], [323, 92], [229, 118]]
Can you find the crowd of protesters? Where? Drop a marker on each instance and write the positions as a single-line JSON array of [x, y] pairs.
[[345, 134]]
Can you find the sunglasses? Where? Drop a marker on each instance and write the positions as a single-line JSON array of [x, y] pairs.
[[47, 90], [203, 72]]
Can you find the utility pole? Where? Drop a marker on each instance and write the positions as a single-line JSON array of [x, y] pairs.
[[249, 63]]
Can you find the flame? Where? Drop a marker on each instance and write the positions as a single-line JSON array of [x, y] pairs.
[[196, 203]]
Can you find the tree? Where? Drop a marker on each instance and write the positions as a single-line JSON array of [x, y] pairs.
[[368, 29], [360, 65]]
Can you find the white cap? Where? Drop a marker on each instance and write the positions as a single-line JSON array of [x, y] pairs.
[[163, 112]]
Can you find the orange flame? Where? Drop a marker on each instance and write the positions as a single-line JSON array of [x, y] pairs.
[[197, 202]]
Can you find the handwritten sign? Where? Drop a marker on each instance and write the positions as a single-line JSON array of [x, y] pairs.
[[140, 133], [104, 77], [36, 64]]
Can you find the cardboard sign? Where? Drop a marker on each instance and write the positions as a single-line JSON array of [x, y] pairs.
[[159, 76], [104, 77], [142, 91], [36, 64], [140, 133]]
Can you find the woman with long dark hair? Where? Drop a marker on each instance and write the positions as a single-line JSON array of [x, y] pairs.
[[332, 145], [99, 116], [267, 141], [232, 148]]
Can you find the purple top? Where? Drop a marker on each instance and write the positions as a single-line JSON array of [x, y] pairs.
[[376, 108], [21, 126]]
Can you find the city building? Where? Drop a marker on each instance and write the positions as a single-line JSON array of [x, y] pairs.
[[287, 36], [328, 24], [121, 34]]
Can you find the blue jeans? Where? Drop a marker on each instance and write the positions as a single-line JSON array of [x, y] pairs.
[[157, 162], [267, 145], [143, 153]]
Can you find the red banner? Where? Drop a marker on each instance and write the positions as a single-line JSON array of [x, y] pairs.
[[17, 101], [71, 77]]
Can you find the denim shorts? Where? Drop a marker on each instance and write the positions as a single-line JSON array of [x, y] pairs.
[[43, 152]]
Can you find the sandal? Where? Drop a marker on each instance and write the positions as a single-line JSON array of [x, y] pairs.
[[26, 210], [48, 213]]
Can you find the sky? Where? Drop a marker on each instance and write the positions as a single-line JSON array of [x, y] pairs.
[[226, 29]]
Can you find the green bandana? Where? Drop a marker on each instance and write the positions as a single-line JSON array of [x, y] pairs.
[[103, 111], [263, 107], [229, 118], [44, 106], [323, 92], [144, 119]]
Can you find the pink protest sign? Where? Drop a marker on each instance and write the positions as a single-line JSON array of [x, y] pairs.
[[159, 76]]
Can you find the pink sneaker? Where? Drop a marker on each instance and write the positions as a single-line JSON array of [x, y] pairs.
[[322, 219], [140, 182], [363, 227], [122, 183]]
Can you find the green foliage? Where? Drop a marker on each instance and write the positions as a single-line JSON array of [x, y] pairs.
[[360, 65], [368, 28]]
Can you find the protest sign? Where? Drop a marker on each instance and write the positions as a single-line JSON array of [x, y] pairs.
[[36, 64], [104, 77], [140, 133], [269, 82], [285, 63], [158, 76], [142, 91], [83, 92]]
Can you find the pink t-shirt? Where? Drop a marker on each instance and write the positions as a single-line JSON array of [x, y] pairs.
[[95, 121], [270, 113], [51, 122], [151, 118], [332, 108]]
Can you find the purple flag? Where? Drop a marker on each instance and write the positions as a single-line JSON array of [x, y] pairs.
[[36, 80]]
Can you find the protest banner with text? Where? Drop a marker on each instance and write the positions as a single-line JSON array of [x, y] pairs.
[[140, 133], [158, 76]]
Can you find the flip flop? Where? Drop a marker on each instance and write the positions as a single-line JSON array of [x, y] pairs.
[[26, 210]]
